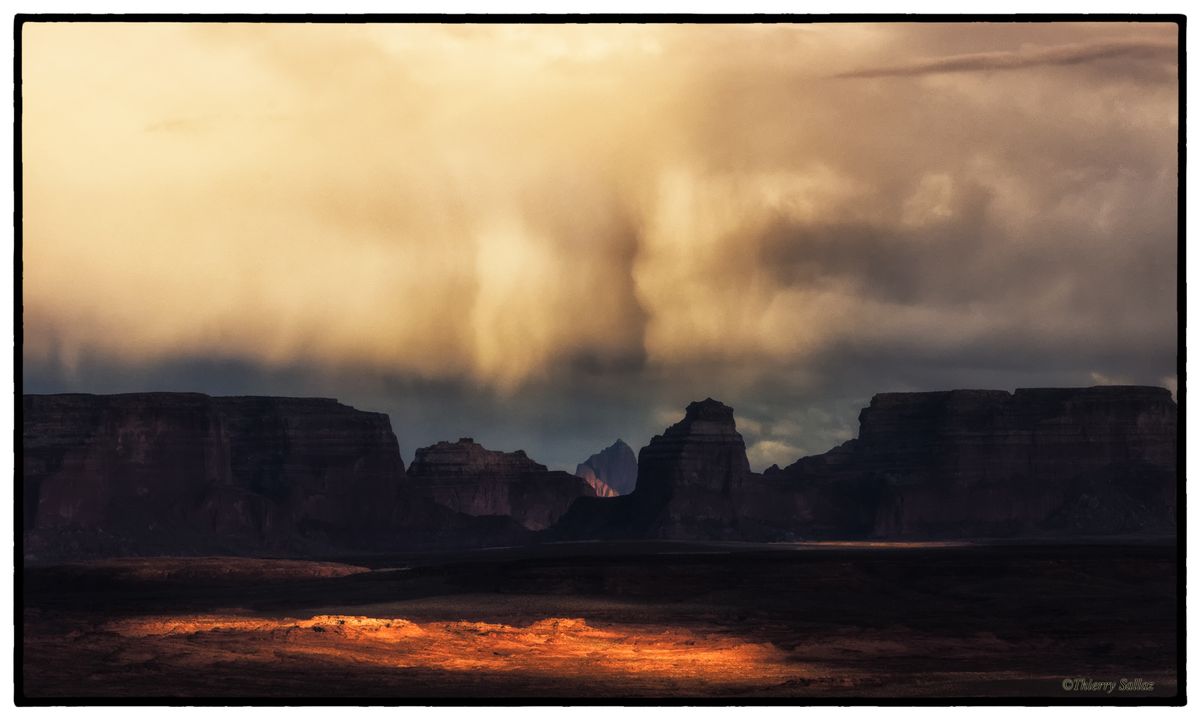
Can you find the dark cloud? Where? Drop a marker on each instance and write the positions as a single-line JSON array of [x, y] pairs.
[[550, 237]]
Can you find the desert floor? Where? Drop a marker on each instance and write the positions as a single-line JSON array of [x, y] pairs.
[[606, 621]]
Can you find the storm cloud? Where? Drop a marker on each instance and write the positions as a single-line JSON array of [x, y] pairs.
[[551, 236]]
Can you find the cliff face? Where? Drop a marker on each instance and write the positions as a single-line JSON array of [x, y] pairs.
[[171, 473], [696, 466], [987, 463], [963, 463], [687, 482], [612, 471], [471, 479], [187, 473]]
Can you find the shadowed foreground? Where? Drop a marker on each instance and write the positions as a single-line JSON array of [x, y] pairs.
[[607, 620]]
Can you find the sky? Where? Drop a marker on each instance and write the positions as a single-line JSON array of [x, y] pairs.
[[549, 237]]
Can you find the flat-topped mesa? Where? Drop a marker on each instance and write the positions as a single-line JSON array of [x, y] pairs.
[[468, 478], [1106, 409], [179, 471], [963, 463], [185, 473], [985, 434], [960, 463]]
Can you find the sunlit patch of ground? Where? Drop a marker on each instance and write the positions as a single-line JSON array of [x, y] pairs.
[[554, 647], [610, 623]]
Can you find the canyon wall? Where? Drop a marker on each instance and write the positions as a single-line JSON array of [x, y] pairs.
[[183, 473], [179, 473]]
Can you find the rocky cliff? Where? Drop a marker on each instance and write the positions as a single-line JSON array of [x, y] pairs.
[[966, 463], [610, 472], [697, 466], [687, 482], [469, 478], [177, 473], [182, 473], [963, 463]]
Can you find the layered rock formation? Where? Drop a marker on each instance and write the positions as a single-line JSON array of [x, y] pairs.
[[687, 480], [980, 463], [177, 473], [610, 472], [697, 466], [469, 478], [955, 464], [182, 473]]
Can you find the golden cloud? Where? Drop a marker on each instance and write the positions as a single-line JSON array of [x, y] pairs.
[[492, 201]]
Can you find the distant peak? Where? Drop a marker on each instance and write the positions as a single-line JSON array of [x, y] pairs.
[[612, 471]]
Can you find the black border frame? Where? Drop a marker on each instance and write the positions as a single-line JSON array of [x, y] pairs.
[[1180, 20]]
